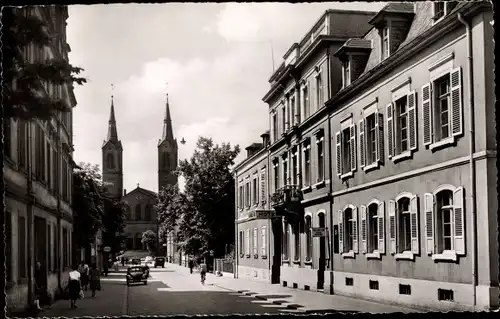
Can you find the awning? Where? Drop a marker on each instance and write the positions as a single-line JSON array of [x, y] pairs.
[[134, 253]]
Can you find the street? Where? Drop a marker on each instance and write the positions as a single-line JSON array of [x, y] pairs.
[[169, 291]]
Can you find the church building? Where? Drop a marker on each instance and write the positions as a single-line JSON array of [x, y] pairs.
[[141, 215]]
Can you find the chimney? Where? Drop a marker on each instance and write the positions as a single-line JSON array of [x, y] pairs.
[[265, 139], [124, 192], [254, 148]]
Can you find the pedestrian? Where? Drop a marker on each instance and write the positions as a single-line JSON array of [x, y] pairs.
[[84, 274], [94, 279], [191, 265], [123, 261], [203, 272], [106, 266], [38, 284], [74, 285]]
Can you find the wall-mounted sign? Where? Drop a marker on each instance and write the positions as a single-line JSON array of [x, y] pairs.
[[318, 232], [107, 249]]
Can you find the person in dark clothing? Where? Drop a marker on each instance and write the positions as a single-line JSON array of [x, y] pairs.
[[94, 279], [106, 268], [38, 284], [191, 265]]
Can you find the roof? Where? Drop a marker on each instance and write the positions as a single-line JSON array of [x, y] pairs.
[[254, 146], [266, 133], [141, 190], [396, 7]]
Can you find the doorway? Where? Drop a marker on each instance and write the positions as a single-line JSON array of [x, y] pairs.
[[322, 254], [277, 228], [41, 247]]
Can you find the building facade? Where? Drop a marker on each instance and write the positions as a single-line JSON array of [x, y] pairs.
[[38, 162], [383, 171]]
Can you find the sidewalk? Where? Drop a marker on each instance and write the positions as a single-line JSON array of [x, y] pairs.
[[110, 301], [303, 301]]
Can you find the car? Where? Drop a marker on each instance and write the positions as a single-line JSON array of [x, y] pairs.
[[137, 274], [160, 261], [136, 261]]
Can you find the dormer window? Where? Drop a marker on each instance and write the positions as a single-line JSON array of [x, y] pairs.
[[385, 43], [442, 8], [346, 72]]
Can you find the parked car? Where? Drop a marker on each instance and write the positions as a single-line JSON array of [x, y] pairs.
[[160, 261], [136, 261], [137, 274]]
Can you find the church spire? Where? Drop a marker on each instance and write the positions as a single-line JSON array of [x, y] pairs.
[[167, 124], [112, 133]]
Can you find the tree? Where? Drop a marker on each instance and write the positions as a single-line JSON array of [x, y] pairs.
[[149, 239], [208, 221], [114, 222], [169, 208], [87, 203], [25, 78]]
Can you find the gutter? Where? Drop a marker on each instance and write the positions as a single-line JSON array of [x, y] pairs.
[[470, 92], [29, 213]]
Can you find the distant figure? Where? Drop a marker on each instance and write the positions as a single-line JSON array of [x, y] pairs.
[[106, 267], [203, 271], [123, 261], [94, 279], [83, 269], [74, 285], [191, 265], [38, 284]]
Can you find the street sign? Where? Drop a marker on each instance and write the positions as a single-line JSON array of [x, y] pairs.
[[107, 249], [211, 253], [318, 232]]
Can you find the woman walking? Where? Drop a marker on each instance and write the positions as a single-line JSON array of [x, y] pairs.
[[94, 279], [74, 285]]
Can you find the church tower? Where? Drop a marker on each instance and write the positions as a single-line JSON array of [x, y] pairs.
[[167, 153], [112, 158]]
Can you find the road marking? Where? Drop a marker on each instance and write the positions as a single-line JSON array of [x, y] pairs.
[[272, 306]]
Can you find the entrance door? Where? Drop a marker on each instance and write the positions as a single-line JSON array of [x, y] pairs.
[[322, 254], [276, 262], [41, 247]]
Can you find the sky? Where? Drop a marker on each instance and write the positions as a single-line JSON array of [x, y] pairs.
[[213, 59]]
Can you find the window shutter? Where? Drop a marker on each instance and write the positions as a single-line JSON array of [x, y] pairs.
[[427, 109], [362, 143], [363, 229], [263, 239], [379, 136], [390, 130], [255, 241], [429, 222], [355, 230], [341, 231], [458, 222], [338, 139], [392, 226], [412, 120], [263, 186], [456, 101], [381, 228], [247, 239], [352, 130], [414, 223]]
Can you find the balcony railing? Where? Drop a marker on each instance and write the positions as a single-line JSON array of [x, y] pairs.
[[286, 196]]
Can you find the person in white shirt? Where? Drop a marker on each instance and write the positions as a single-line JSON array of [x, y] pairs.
[[74, 285]]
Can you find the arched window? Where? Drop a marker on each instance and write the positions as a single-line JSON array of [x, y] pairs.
[[165, 160], [138, 212], [404, 226], [348, 230], [444, 216], [404, 221], [309, 239], [110, 161], [372, 229]]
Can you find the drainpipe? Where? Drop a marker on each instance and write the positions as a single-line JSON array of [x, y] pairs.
[[471, 157], [29, 214], [330, 230], [58, 196]]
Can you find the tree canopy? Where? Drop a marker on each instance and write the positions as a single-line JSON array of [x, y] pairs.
[[202, 216], [150, 240], [28, 78]]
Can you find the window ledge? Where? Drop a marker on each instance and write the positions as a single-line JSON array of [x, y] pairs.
[[370, 167], [306, 189], [406, 255], [296, 261], [242, 255], [373, 255], [248, 255], [347, 175], [319, 185], [445, 256], [285, 261], [308, 262], [348, 255], [255, 256], [263, 256], [442, 143], [401, 156]]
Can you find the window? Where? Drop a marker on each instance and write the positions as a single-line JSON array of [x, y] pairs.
[[247, 242], [286, 236], [240, 197], [138, 212], [444, 218], [8, 246], [402, 126], [288, 112], [305, 102], [404, 226], [385, 43], [22, 247], [348, 230], [49, 250], [292, 110], [346, 74], [147, 212], [445, 294], [284, 124], [255, 245], [373, 284], [346, 150], [22, 143], [275, 127], [263, 184], [240, 243], [285, 170], [372, 229], [307, 164], [165, 160], [255, 193], [309, 238], [371, 142], [129, 212], [442, 108], [404, 289], [295, 163], [441, 9], [276, 175], [263, 241], [319, 91], [321, 159], [247, 193], [111, 161], [49, 165], [296, 236], [65, 247], [7, 140]]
